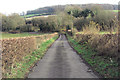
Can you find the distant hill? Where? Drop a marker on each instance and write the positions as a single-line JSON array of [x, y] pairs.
[[53, 9], [48, 10]]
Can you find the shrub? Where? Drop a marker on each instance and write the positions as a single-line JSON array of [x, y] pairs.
[[92, 28], [74, 31], [107, 45], [79, 23], [82, 38], [27, 28]]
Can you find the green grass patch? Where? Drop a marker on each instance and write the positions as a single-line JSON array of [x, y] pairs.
[[113, 11], [116, 10], [103, 65], [33, 15], [102, 32], [28, 61], [9, 35], [107, 32]]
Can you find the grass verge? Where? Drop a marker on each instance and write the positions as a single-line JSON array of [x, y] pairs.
[[22, 68], [105, 66]]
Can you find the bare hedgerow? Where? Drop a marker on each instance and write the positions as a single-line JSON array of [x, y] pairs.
[[104, 45]]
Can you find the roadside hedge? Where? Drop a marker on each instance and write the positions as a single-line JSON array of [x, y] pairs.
[[105, 44]]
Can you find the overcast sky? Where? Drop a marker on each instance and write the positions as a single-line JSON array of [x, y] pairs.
[[18, 6]]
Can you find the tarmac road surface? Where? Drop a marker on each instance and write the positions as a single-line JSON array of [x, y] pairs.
[[61, 61]]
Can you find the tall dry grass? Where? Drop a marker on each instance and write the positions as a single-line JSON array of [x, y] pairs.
[[92, 28]]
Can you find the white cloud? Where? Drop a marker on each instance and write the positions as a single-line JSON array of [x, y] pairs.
[[11, 6]]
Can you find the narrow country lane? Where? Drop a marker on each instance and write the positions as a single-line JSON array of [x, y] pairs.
[[61, 61]]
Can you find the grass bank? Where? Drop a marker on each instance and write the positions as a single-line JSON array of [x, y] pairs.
[[22, 68], [105, 66]]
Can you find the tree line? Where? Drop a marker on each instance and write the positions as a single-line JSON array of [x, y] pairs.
[[73, 17]]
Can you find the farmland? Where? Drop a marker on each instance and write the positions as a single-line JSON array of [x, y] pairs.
[[35, 15], [9, 35]]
